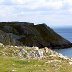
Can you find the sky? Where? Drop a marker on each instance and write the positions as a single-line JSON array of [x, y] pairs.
[[55, 13]]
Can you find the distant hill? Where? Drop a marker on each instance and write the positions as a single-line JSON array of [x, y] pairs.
[[28, 34]]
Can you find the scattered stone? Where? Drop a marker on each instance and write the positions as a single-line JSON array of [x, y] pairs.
[[70, 63], [36, 48], [46, 50], [11, 46], [53, 61], [62, 56], [1, 45], [53, 55], [31, 52], [39, 53], [13, 70], [22, 53]]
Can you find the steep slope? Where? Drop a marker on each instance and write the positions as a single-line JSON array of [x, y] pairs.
[[28, 34]]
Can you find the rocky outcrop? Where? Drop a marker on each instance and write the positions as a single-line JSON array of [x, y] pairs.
[[28, 34], [31, 52]]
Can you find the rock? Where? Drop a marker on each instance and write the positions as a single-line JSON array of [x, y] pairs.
[[1, 45], [62, 56], [36, 48], [46, 50], [13, 70], [36, 53], [53, 55], [70, 63], [22, 53], [51, 61], [39, 53], [28, 34]]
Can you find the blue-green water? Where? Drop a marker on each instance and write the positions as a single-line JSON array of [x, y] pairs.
[[66, 33]]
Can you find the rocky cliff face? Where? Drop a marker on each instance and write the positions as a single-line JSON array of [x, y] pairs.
[[28, 34]]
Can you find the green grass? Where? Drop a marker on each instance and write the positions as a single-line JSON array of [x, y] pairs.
[[12, 63], [8, 64]]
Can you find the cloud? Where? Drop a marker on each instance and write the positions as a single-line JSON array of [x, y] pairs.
[[34, 4], [69, 5], [68, 1], [39, 4], [21, 1], [70, 10], [1, 1], [49, 11], [6, 10], [37, 7]]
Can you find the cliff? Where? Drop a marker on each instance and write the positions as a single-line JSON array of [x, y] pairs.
[[28, 34]]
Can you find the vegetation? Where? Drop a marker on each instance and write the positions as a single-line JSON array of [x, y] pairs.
[[28, 34], [13, 57], [13, 64], [10, 62]]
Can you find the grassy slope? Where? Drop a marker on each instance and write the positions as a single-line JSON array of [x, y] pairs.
[[8, 64]]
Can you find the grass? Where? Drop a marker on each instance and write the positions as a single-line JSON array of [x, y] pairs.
[[13, 64]]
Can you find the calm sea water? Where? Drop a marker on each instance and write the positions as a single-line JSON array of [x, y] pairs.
[[66, 33]]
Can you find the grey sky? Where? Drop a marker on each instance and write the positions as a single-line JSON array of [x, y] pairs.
[[55, 13]]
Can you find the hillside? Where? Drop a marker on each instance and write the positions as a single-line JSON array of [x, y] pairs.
[[28, 34], [32, 59]]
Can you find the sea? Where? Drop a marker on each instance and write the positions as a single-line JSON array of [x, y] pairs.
[[67, 34]]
